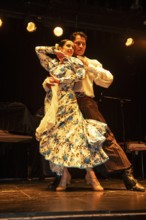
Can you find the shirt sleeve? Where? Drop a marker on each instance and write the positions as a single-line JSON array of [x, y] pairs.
[[101, 76], [45, 60]]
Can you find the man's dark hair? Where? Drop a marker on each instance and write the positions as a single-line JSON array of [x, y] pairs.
[[74, 34]]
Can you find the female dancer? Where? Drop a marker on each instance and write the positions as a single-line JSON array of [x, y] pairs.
[[66, 138]]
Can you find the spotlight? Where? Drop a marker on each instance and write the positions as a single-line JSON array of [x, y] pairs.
[[58, 31], [31, 27], [1, 22], [129, 42]]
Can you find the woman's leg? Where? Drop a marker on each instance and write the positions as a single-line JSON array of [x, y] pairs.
[[92, 179], [65, 179]]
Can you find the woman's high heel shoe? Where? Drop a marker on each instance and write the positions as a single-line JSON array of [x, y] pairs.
[[65, 180], [62, 184], [96, 185], [94, 182]]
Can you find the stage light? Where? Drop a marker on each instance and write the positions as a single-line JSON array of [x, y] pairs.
[[129, 42], [58, 31], [1, 22], [31, 26]]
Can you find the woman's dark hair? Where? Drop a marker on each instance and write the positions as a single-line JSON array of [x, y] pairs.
[[74, 34], [62, 42]]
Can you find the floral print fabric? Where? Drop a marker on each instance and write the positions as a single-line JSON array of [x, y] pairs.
[[72, 141]]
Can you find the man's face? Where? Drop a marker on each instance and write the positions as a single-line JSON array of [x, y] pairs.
[[79, 46]]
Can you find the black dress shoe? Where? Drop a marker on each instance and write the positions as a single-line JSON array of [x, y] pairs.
[[130, 182], [55, 183]]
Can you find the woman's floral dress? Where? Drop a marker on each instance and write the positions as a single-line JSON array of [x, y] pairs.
[[72, 141]]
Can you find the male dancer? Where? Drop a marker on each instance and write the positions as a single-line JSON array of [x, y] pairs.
[[95, 73]]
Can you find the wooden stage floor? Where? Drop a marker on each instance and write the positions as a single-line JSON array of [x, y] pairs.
[[23, 199]]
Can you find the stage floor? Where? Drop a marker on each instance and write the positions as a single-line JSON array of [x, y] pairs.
[[23, 199]]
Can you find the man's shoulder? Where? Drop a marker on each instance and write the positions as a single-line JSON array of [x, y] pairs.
[[93, 61]]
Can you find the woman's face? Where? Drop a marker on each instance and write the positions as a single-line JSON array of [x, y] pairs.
[[68, 48]]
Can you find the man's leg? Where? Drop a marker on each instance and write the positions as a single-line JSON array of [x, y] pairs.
[[118, 159]]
